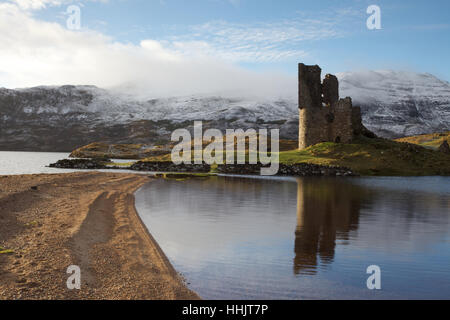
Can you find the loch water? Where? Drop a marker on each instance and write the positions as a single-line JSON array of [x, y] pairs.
[[306, 238]]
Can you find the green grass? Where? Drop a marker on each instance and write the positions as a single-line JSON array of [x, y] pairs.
[[32, 224], [5, 251], [374, 157], [432, 141], [367, 157], [213, 169], [117, 164]]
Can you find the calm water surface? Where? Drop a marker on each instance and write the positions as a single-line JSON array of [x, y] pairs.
[[244, 238], [15, 163]]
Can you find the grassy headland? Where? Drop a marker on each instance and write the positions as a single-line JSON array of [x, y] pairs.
[[367, 156], [412, 156], [374, 157], [118, 151]]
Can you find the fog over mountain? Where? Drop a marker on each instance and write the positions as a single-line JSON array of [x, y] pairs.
[[394, 104]]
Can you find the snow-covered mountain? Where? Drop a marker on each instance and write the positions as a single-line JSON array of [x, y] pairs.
[[394, 104], [63, 118], [398, 103]]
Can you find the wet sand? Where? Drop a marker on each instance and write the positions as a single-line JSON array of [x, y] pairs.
[[51, 222]]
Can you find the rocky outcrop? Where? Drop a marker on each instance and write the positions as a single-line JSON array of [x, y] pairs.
[[444, 147], [167, 166], [300, 170], [79, 164]]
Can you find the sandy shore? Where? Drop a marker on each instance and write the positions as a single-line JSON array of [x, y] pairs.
[[84, 219]]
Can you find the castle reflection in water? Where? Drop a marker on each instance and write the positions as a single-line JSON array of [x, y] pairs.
[[326, 212]]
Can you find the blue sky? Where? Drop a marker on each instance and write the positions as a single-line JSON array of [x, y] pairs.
[[259, 36], [414, 35]]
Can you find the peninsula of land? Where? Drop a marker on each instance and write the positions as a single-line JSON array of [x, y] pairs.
[[51, 222]]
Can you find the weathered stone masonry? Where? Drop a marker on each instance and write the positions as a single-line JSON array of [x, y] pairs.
[[323, 116]]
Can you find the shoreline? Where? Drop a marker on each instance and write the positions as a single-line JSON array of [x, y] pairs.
[[49, 222], [297, 169]]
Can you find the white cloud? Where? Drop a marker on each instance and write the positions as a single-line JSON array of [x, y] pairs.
[[41, 4], [43, 53], [35, 4], [236, 53], [265, 41]]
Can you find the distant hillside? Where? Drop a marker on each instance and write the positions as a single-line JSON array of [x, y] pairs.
[[432, 141], [119, 151]]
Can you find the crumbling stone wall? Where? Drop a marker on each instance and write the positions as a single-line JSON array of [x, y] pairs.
[[323, 116]]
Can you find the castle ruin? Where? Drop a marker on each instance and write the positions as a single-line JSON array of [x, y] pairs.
[[323, 116]]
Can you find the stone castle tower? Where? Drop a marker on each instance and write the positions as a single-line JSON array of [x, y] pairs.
[[323, 116]]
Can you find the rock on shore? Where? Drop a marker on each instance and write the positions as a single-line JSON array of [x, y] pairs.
[[79, 164], [300, 169], [167, 166]]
